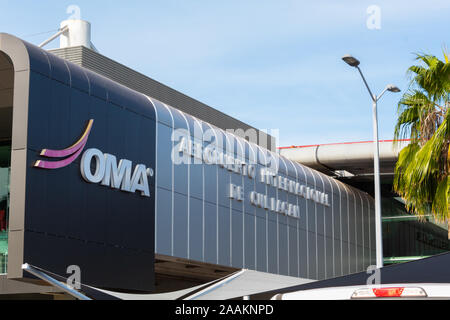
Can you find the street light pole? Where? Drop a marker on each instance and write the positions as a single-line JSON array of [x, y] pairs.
[[376, 175], [353, 62]]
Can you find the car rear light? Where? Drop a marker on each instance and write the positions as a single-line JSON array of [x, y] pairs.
[[389, 292]]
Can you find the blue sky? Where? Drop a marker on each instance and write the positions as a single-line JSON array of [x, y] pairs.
[[272, 64]]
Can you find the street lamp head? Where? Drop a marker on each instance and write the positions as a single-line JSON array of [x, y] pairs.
[[392, 88], [350, 60]]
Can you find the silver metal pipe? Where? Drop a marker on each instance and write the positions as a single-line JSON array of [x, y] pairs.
[[56, 35], [41, 275]]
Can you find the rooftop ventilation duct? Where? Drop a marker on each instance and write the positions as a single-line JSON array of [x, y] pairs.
[[73, 33]]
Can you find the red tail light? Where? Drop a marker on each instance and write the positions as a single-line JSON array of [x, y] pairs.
[[388, 292]]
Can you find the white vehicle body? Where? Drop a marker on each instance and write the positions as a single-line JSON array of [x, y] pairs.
[[384, 291]]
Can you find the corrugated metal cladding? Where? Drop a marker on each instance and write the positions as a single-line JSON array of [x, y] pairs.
[[196, 219], [111, 69]]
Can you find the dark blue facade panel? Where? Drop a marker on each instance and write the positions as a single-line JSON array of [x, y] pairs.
[[68, 221]]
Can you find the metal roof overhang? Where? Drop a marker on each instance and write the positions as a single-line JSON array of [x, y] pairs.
[[355, 158], [240, 283]]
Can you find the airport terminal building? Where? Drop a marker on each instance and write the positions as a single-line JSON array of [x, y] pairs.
[[146, 189]]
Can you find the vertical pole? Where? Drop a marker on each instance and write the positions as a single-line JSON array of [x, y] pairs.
[[376, 174]]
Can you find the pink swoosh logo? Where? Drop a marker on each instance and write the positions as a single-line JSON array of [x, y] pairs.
[[71, 152]]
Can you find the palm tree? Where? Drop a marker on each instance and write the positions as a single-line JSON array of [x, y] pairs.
[[422, 171]]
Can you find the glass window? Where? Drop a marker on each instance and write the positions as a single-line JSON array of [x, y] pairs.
[[406, 238], [5, 168]]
